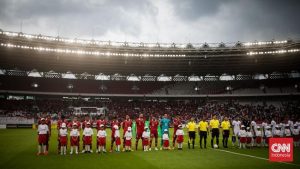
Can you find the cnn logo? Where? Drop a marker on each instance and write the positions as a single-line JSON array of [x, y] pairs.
[[281, 149]]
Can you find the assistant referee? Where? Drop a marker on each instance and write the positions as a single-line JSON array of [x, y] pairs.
[[191, 126], [225, 127], [214, 125], [203, 129]]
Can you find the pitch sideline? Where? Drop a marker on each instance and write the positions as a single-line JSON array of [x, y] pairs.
[[246, 155]]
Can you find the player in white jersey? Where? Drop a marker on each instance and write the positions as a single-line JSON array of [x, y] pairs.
[[259, 136], [278, 132], [273, 126], [287, 131], [298, 124], [268, 134], [291, 124], [253, 128], [264, 125], [296, 135], [236, 129]]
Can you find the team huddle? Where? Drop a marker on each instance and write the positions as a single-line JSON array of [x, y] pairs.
[[243, 136]]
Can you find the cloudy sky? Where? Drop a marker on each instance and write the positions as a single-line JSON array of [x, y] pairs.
[[179, 21]]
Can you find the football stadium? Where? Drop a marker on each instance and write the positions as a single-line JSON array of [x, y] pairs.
[[70, 102]]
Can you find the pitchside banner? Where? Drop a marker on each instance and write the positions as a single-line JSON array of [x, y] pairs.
[[281, 149]]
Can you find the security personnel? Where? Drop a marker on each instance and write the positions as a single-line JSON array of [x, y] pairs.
[[225, 127], [191, 126], [214, 125], [203, 129]]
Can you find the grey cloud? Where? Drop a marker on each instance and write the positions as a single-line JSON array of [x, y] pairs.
[[185, 20]]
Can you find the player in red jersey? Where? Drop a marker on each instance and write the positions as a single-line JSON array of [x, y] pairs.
[[153, 131], [87, 119], [100, 122], [176, 123], [113, 123], [71, 124], [48, 122], [125, 124], [140, 125]]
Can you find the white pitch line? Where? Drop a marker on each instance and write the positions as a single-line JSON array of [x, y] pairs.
[[246, 155]]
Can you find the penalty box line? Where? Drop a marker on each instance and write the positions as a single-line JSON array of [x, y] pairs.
[[246, 155]]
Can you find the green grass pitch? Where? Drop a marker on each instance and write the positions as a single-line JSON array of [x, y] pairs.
[[18, 149]]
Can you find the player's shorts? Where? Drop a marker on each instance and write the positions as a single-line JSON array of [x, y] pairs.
[[42, 138], [166, 143], [87, 140], [128, 143], [154, 134], [249, 140], [215, 132], [180, 139], [236, 132], [296, 138], [225, 133], [192, 134], [145, 142], [203, 134], [74, 141], [258, 139], [63, 140], [118, 141], [101, 141], [243, 139], [139, 134]]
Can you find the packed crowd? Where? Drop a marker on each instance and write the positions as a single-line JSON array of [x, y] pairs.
[[184, 110]]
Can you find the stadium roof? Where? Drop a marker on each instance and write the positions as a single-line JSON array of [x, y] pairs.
[[45, 53]]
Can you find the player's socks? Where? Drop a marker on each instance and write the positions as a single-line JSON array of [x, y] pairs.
[[39, 149]]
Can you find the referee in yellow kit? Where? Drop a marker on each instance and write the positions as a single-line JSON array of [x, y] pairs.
[[192, 132], [214, 125], [203, 129], [225, 127]]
